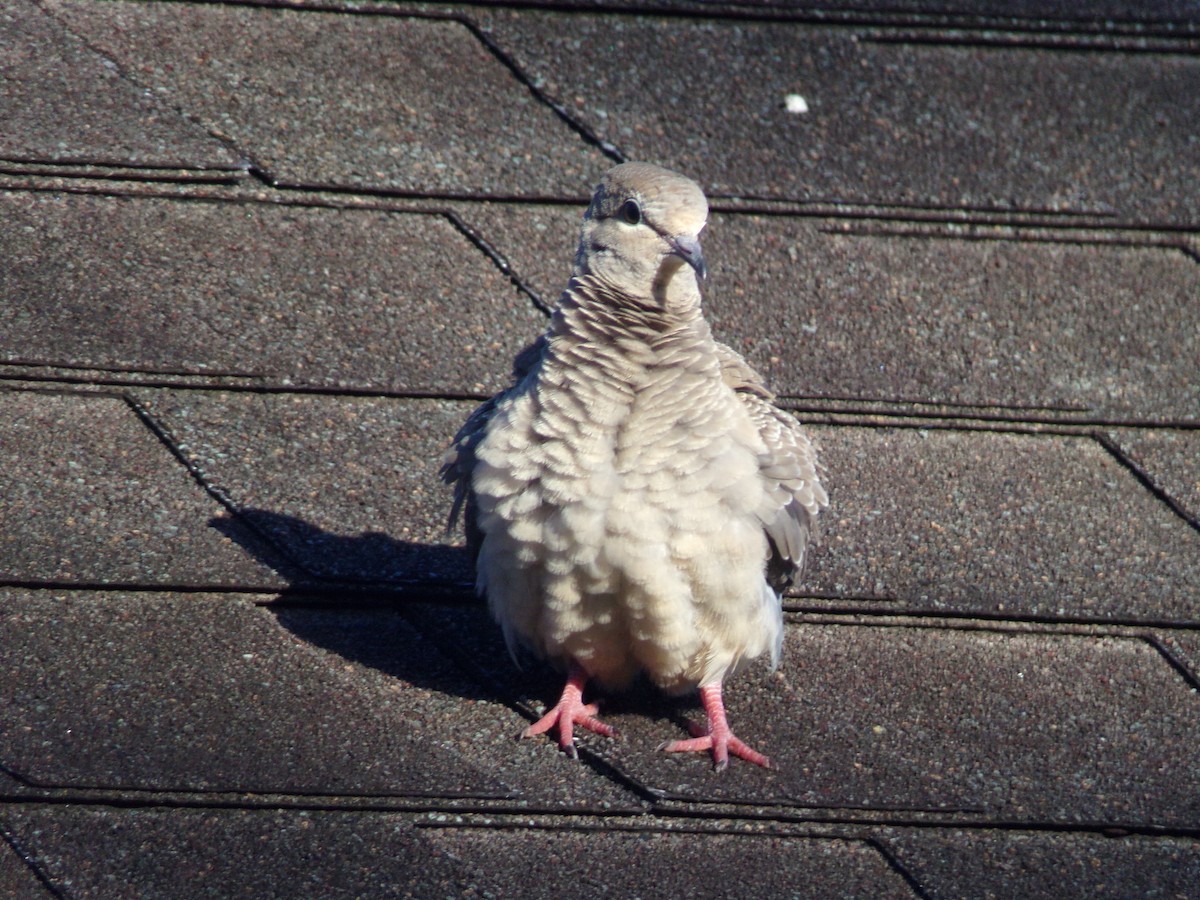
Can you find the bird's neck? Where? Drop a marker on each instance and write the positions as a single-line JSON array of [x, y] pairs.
[[590, 300], [619, 340]]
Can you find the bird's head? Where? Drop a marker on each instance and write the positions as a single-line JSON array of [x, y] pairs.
[[641, 235]]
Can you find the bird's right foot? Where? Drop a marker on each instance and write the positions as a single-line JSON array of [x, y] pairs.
[[569, 712]]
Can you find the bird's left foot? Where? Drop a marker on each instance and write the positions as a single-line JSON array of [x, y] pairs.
[[717, 737]]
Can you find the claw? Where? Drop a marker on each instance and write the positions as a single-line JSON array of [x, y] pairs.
[[716, 737], [569, 712]]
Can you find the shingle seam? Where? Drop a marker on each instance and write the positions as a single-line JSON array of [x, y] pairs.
[[217, 493], [30, 859], [1145, 479]]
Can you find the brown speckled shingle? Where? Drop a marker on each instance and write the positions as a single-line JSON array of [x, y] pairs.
[[911, 123], [64, 102], [373, 102], [266, 674], [92, 497], [302, 296]]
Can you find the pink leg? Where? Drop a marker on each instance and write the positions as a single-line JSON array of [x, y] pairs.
[[717, 737], [569, 712]]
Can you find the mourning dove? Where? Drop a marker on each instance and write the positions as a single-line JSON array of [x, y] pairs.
[[635, 501]]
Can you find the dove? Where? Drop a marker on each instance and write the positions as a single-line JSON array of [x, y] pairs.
[[635, 502]]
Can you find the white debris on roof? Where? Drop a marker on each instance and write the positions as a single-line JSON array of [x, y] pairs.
[[795, 103]]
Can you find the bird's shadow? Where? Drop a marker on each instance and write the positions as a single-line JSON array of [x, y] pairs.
[[312, 559], [368, 597], [405, 609]]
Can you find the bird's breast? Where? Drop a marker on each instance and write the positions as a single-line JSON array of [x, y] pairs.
[[595, 457], [619, 526]]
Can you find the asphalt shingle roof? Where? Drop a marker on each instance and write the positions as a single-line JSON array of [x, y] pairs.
[[258, 263]]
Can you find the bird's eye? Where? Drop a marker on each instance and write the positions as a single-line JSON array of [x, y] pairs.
[[630, 212]]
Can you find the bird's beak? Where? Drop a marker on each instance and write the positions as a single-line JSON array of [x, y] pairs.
[[687, 248]]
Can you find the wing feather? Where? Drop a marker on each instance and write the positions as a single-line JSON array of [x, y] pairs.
[[788, 467], [458, 462]]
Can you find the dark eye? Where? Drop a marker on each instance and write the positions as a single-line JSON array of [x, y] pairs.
[[630, 212]]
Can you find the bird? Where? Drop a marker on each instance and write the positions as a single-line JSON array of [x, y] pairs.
[[635, 501]]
